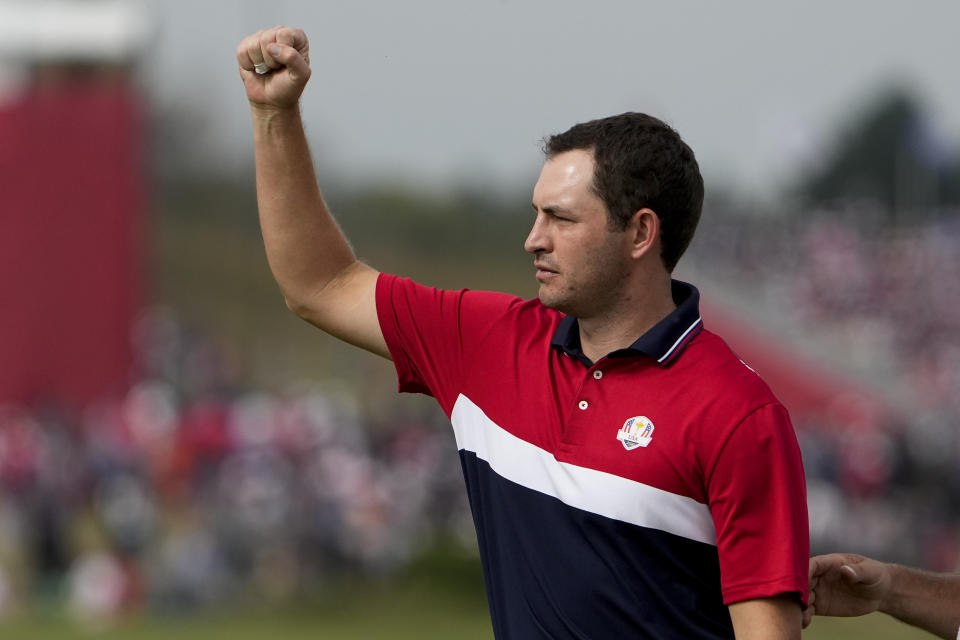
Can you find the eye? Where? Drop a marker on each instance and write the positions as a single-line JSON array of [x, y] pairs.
[[559, 216]]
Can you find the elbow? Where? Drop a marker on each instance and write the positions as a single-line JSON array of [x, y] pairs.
[[320, 303], [297, 301], [297, 306], [311, 307]]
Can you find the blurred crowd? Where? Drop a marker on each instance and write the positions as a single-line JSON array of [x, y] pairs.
[[192, 490], [883, 479]]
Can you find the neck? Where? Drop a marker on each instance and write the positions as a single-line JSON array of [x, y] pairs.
[[636, 313]]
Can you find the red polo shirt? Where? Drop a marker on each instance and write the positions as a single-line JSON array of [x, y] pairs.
[[631, 497]]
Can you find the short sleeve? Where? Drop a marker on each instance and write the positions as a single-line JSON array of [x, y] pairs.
[[757, 495], [433, 333]]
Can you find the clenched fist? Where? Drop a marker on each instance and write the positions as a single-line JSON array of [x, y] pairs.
[[285, 53]]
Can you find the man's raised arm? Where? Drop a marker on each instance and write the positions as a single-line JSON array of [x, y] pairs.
[[320, 277]]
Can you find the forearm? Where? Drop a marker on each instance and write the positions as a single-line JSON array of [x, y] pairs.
[[927, 600], [305, 247], [777, 618]]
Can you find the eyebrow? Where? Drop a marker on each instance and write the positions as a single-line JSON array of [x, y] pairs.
[[551, 208]]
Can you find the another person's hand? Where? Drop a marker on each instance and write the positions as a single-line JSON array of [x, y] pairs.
[[845, 584], [286, 53]]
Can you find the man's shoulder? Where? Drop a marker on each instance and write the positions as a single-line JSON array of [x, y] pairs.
[[529, 316], [510, 310], [721, 370], [475, 309]]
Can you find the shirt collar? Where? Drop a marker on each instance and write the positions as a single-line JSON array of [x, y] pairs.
[[664, 342]]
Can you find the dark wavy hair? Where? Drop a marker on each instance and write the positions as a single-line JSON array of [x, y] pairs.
[[641, 161]]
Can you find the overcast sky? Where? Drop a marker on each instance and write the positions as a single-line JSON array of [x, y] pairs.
[[433, 90]]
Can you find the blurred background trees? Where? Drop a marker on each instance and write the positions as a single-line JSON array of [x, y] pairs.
[[889, 155]]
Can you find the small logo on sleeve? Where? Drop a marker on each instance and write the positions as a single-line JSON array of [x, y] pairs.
[[636, 432]]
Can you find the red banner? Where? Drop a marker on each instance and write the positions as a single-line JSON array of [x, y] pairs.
[[71, 200]]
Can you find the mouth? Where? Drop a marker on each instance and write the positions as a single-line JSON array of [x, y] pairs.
[[544, 273]]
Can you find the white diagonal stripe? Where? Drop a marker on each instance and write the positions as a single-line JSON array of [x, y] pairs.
[[680, 339], [594, 491]]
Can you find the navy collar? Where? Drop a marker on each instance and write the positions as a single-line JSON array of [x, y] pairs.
[[664, 342]]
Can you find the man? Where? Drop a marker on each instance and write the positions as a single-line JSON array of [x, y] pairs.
[[845, 584], [629, 477]]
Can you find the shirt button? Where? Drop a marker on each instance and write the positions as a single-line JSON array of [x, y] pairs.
[[583, 405], [598, 374]]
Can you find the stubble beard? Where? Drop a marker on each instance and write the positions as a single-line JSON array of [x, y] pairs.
[[600, 291], [557, 300]]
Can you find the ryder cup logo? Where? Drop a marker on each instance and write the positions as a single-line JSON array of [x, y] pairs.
[[636, 432]]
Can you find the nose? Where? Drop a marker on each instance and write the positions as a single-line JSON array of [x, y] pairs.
[[538, 239]]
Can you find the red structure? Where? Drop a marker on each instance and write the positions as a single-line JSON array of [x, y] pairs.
[[71, 203]]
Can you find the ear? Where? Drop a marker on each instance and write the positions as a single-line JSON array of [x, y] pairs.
[[644, 228]]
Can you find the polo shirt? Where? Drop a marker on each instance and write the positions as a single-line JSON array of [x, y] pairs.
[[633, 497]]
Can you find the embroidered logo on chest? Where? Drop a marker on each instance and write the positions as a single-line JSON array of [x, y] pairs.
[[636, 432]]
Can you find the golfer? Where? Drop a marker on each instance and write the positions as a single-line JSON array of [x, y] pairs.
[[629, 476]]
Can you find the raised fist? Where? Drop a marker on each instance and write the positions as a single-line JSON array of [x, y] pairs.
[[275, 66]]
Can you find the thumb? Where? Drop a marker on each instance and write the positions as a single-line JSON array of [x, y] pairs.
[[290, 58]]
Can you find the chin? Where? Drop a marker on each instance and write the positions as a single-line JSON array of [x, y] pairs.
[[553, 302]]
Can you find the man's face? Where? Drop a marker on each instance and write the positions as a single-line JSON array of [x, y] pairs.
[[581, 264]]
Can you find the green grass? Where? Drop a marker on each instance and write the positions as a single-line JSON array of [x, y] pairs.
[[375, 614], [876, 626], [439, 597], [398, 613]]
